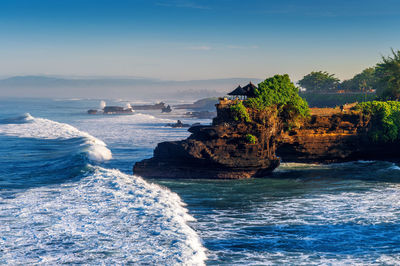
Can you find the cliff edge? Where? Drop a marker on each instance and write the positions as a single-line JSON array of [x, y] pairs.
[[226, 149], [271, 120], [336, 137]]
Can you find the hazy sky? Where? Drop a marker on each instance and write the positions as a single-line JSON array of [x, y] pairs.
[[195, 39]]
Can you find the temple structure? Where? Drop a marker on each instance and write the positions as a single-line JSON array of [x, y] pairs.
[[248, 91]]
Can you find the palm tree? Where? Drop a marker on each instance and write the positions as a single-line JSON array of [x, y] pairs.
[[389, 76]]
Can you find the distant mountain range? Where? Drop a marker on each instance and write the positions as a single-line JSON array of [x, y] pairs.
[[45, 86], [44, 81]]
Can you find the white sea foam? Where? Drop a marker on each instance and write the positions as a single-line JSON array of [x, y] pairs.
[[366, 162], [393, 167], [47, 129], [102, 104], [319, 225], [138, 130], [285, 167], [106, 218]]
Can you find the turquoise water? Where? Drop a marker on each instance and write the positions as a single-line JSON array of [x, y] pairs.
[[68, 196]]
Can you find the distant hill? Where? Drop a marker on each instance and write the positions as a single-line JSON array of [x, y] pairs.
[[207, 104], [44, 81], [44, 86]]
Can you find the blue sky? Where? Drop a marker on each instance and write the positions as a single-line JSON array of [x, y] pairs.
[[195, 39]]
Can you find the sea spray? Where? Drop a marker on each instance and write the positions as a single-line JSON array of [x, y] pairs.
[[102, 105], [41, 128], [128, 106], [107, 218], [101, 216]]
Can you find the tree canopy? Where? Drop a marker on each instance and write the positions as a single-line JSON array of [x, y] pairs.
[[366, 80], [388, 73], [279, 91], [319, 81]]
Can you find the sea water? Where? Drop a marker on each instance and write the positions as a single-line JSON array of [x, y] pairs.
[[67, 195]]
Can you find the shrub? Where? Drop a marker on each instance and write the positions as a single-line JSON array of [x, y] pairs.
[[385, 121], [251, 139], [239, 112], [281, 92]]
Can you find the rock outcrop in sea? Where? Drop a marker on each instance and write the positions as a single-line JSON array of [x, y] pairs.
[[226, 150], [221, 150]]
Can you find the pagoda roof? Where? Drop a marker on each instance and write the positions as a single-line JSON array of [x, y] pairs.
[[250, 90], [238, 91]]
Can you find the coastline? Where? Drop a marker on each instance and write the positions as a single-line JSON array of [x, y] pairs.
[[221, 151]]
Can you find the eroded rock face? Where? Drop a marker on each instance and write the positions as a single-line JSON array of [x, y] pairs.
[[221, 150], [217, 151], [334, 138]]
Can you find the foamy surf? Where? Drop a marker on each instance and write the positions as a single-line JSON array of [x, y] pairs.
[[101, 216], [28, 126], [131, 130], [107, 218]]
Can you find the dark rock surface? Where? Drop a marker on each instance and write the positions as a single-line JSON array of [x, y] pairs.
[[217, 151], [221, 150], [156, 106], [178, 124], [92, 111], [201, 114]]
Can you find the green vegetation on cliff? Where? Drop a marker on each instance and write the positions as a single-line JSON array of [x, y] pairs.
[[385, 120], [251, 139], [281, 92], [239, 112]]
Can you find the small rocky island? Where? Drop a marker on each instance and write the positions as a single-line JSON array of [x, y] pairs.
[[260, 126]]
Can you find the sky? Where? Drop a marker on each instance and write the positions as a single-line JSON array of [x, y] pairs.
[[195, 39]]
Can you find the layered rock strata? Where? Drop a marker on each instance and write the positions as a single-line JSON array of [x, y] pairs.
[[223, 151], [333, 138], [218, 151]]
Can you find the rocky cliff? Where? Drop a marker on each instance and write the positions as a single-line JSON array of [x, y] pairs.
[[221, 150], [338, 137]]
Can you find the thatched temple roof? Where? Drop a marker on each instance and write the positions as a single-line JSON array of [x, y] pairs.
[[238, 91], [249, 91]]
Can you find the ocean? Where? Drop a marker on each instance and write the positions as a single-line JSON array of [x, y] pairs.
[[67, 195]]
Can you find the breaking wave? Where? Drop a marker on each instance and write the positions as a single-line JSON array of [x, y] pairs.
[[100, 216], [39, 128]]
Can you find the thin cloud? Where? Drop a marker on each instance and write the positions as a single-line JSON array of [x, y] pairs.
[[200, 48]]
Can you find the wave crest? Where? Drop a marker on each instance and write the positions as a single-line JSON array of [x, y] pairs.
[[107, 218], [27, 126]]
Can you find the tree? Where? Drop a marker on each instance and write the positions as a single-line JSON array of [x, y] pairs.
[[366, 80], [388, 72], [279, 91], [319, 81], [385, 120]]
